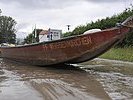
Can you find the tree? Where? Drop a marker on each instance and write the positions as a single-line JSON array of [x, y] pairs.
[[0, 12], [33, 37], [29, 39], [108, 22], [7, 29], [36, 34]]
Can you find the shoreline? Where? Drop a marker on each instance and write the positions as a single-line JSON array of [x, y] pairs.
[[117, 61]]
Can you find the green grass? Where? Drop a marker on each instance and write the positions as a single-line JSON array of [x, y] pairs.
[[125, 54]]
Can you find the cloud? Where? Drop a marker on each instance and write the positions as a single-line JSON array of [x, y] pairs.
[[21, 34], [39, 4], [21, 26], [58, 13], [104, 1], [54, 4]]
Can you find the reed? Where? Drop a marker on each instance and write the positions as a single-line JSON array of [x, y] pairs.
[[125, 54]]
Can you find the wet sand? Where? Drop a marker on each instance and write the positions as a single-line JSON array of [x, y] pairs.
[[94, 80], [116, 77]]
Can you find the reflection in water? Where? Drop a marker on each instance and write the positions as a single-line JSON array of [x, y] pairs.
[[93, 80], [13, 89], [39, 83]]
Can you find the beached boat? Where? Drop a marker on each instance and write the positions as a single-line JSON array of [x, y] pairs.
[[75, 49]]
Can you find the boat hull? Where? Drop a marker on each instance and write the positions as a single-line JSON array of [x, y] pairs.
[[69, 50]]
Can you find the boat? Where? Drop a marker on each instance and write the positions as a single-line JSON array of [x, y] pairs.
[[70, 50]]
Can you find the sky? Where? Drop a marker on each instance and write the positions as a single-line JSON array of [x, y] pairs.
[[57, 14]]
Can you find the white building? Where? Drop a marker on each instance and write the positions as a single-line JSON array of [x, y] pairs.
[[48, 35]]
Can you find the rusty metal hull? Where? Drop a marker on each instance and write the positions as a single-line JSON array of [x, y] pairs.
[[69, 50]]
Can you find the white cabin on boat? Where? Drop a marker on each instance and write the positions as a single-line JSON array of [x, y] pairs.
[[51, 34]]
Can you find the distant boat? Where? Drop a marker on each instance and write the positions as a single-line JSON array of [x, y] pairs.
[[75, 49]]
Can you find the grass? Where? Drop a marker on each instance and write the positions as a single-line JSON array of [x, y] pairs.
[[125, 54]]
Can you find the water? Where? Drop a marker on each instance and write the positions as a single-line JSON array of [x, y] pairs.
[[94, 80]]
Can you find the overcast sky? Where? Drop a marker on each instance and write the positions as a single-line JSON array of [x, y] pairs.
[[57, 14]]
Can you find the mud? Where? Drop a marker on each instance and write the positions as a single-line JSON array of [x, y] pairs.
[[94, 80]]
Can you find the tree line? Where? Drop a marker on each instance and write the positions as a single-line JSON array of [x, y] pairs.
[[108, 22]]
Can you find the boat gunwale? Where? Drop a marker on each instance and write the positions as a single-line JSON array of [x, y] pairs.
[[62, 39]]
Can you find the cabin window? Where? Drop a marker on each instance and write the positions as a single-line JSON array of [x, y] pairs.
[[56, 34]]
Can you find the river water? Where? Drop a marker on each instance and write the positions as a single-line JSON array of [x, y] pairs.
[[98, 79]]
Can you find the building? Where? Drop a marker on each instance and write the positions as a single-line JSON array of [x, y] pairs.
[[48, 35]]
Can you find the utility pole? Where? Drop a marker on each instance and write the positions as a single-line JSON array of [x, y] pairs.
[[68, 27], [35, 34]]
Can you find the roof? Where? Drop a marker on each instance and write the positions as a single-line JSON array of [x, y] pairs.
[[44, 32]]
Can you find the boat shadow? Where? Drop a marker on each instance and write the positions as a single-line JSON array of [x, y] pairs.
[[65, 67], [61, 66]]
